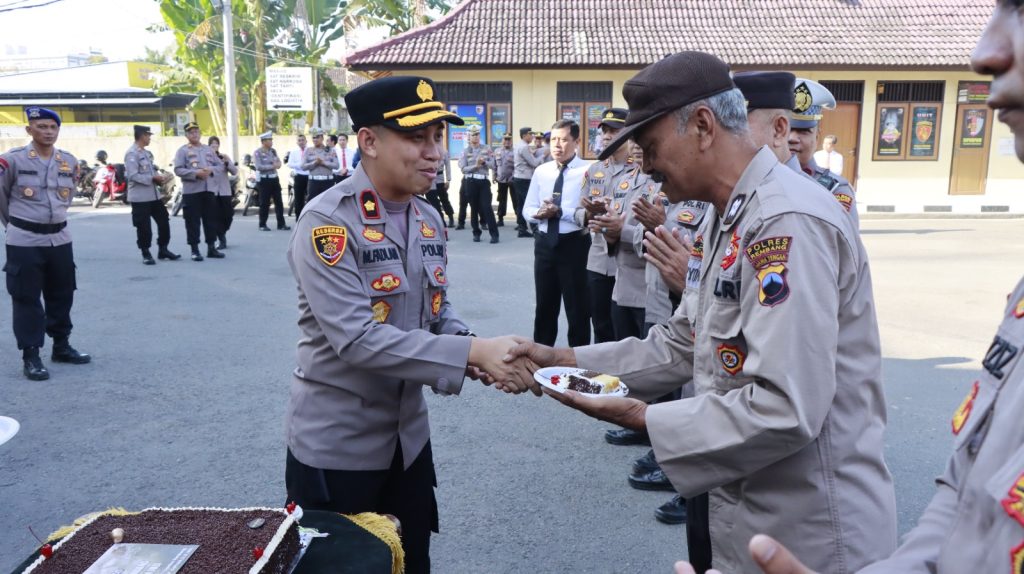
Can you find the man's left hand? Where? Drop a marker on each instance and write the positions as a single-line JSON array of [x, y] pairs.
[[771, 557], [611, 225], [650, 215], [625, 412]]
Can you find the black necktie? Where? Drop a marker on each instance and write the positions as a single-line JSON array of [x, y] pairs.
[[556, 199]]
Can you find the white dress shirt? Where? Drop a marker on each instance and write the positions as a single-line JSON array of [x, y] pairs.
[[344, 160], [543, 184], [832, 161], [295, 161]]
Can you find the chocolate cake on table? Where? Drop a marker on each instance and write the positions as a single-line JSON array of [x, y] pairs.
[[243, 541]]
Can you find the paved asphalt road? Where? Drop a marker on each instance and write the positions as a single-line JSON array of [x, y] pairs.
[[184, 401]]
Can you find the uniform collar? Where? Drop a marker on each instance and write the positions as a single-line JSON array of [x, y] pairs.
[[758, 168], [793, 163]]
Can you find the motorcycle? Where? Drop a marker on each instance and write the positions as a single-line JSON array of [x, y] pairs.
[[250, 197], [109, 183]]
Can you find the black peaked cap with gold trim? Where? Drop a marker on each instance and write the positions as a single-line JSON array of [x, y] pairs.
[[403, 103], [614, 118]]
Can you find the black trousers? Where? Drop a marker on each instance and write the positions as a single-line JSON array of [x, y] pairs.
[[318, 186], [227, 213], [201, 209], [438, 197], [270, 188], [299, 189], [628, 321], [560, 275], [142, 212], [698, 532], [478, 192], [520, 187], [600, 290], [464, 201], [35, 271], [407, 494], [504, 191]]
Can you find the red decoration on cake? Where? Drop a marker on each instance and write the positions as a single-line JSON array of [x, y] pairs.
[[46, 551], [290, 507], [555, 379], [257, 553]]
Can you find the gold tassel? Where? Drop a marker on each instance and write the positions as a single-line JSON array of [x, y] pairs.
[[382, 527], [65, 530]]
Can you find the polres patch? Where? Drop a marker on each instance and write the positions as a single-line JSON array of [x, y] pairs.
[[329, 242], [963, 412], [1014, 501], [435, 303], [731, 357], [773, 288], [769, 251], [381, 310]]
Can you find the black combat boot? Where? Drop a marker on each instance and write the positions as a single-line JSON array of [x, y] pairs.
[[165, 253], [63, 352], [222, 242], [34, 369], [196, 256], [147, 258], [212, 252]]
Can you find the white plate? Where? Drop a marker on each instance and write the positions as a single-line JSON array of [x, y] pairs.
[[543, 376], [8, 428]]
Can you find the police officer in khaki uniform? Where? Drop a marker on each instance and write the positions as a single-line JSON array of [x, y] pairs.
[[810, 99], [504, 162], [320, 161], [195, 165], [782, 344], [975, 521], [477, 159], [37, 183], [599, 183], [144, 197], [266, 163], [370, 259], [438, 196], [222, 183]]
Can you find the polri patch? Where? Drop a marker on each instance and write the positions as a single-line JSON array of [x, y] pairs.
[[963, 412], [381, 310], [427, 231], [329, 241], [372, 234], [1018, 311], [844, 199], [368, 203], [732, 358], [387, 283], [435, 303]]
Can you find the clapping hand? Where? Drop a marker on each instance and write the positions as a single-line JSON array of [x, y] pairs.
[[610, 224], [648, 214], [670, 254], [595, 207], [771, 557], [547, 210]]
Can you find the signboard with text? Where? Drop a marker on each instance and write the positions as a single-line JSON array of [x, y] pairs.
[[472, 114], [290, 89]]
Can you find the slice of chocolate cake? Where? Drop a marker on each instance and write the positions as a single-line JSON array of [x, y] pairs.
[[243, 541], [583, 385]]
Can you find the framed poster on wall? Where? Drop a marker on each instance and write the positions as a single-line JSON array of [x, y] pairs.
[[972, 132], [890, 131], [472, 114], [592, 131], [924, 131], [499, 122]]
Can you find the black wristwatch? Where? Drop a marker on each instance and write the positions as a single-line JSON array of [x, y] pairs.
[[465, 333]]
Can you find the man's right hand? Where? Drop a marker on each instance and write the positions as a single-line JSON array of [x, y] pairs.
[[669, 252], [542, 355], [771, 557]]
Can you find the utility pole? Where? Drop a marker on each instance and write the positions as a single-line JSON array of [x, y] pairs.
[[224, 7]]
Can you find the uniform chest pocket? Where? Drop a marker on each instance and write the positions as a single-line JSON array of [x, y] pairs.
[[29, 187], [722, 328], [385, 281], [1006, 489]]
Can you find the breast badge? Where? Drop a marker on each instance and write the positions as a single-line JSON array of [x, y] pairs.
[[28, 192], [435, 303], [844, 199], [624, 185], [685, 216], [963, 412], [381, 310], [731, 251], [1018, 311], [732, 358], [64, 193], [427, 231], [599, 175], [595, 191], [329, 241], [387, 283], [372, 234]]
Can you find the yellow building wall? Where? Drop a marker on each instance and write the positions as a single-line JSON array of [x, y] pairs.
[[534, 104]]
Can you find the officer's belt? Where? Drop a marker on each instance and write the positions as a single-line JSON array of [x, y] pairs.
[[474, 176], [321, 177], [268, 176], [42, 228]]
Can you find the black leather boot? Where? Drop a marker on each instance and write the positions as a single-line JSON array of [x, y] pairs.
[[34, 369], [147, 258], [63, 352], [673, 511], [165, 253], [222, 242], [196, 256], [212, 252]]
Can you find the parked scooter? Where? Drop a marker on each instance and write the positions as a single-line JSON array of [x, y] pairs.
[[109, 181]]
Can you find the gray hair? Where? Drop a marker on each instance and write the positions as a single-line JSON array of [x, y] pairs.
[[729, 108]]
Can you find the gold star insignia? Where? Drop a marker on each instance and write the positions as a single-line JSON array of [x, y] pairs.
[[369, 205]]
